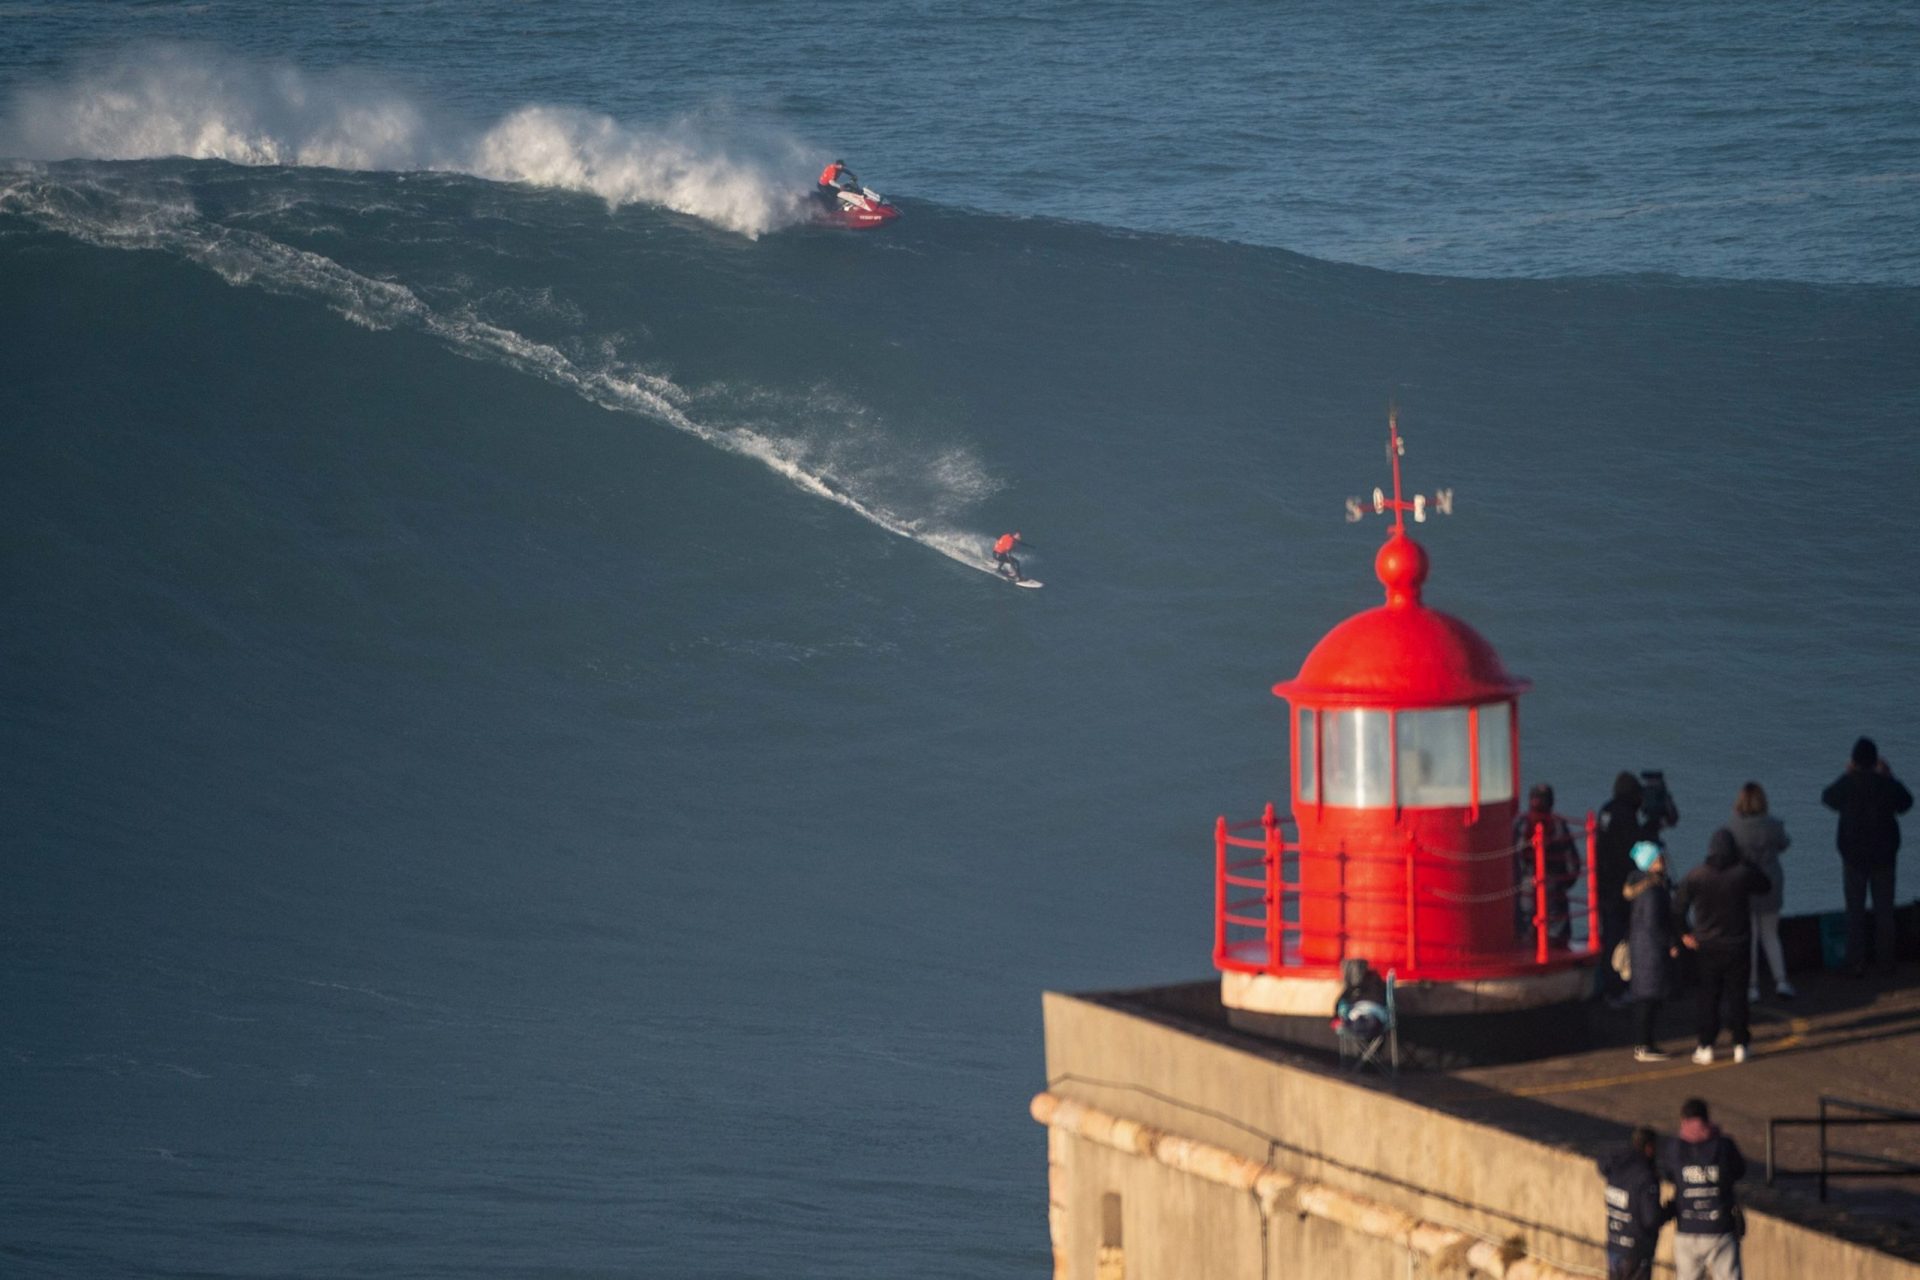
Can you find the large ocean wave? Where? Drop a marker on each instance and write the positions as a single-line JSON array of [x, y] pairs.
[[173, 100], [825, 445]]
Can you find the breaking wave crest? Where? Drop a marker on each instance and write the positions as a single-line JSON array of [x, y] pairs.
[[98, 215], [171, 100]]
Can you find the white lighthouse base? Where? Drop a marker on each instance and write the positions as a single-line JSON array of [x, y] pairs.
[[1442, 1024], [1315, 997]]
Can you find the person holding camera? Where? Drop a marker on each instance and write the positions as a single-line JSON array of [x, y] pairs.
[[1869, 800], [1657, 810]]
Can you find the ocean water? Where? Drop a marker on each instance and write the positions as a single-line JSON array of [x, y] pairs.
[[513, 766]]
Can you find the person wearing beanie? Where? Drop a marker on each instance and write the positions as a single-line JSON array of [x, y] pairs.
[[1652, 943], [1719, 894], [1869, 800], [1703, 1163]]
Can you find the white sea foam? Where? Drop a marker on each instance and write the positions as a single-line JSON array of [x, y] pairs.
[[101, 215], [170, 100]]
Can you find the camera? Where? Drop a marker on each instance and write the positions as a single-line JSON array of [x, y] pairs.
[[1656, 802]]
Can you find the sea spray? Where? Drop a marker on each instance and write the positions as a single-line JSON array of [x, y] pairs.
[[169, 100]]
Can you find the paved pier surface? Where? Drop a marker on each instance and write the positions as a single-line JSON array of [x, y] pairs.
[[1857, 1039]]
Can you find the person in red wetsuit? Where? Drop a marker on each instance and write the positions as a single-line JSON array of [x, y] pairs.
[[1004, 563], [834, 179]]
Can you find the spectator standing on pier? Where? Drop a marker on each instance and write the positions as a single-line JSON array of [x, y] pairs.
[[1652, 943], [1617, 829], [1635, 1213], [1869, 800], [1720, 894], [1563, 867], [1762, 839], [1703, 1164]]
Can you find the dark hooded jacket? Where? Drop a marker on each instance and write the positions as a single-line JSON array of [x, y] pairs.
[[1634, 1211], [1618, 829], [1869, 804], [1720, 894], [1651, 935], [1702, 1164]]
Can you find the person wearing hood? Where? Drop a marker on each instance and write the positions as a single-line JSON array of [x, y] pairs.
[[1703, 1164], [1652, 943], [1635, 1212], [1719, 893], [1869, 800], [1762, 839], [1617, 829]]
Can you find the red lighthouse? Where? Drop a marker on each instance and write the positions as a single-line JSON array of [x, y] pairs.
[[1405, 730]]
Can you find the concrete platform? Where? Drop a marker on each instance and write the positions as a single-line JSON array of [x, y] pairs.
[[1853, 1038], [1857, 1039]]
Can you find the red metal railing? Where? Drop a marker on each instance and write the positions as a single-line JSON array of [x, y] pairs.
[[1258, 896]]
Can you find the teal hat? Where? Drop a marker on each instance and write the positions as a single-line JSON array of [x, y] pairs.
[[1645, 854]]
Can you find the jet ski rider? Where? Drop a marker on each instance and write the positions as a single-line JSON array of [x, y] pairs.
[[834, 179]]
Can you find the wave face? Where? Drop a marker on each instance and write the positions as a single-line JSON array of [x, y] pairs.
[[171, 100], [511, 758]]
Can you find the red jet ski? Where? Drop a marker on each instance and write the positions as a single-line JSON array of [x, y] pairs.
[[856, 209]]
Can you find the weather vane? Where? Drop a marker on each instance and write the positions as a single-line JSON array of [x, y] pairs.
[[1441, 502]]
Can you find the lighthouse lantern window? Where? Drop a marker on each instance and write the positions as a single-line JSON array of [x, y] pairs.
[[1305, 754], [1436, 768], [1355, 769], [1496, 751]]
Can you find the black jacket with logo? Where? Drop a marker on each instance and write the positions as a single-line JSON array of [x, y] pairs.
[[1634, 1211], [1703, 1174]]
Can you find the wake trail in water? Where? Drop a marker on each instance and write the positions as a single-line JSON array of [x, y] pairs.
[[159, 101], [107, 219]]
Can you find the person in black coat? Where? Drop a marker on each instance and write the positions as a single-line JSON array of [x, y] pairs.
[[1720, 895], [1652, 942], [1635, 1213], [1617, 828], [1869, 800]]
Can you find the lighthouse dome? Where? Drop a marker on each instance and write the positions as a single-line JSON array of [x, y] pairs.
[[1402, 654]]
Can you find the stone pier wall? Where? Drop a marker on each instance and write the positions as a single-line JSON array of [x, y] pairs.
[[1175, 1154]]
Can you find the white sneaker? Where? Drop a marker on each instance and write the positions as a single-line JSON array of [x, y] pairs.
[[1753, 995], [1785, 991], [1739, 1053], [1703, 1056], [1645, 1054]]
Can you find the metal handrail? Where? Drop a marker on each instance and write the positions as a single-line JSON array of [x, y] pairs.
[[1268, 892], [1874, 1115]]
